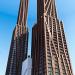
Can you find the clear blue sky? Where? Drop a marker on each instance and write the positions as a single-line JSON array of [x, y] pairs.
[[8, 18]]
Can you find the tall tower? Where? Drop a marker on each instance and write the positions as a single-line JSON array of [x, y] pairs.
[[49, 48], [19, 43]]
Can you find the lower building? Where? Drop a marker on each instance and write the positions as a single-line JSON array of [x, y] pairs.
[[27, 66]]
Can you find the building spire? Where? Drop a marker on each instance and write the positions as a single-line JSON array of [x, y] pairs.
[[50, 9], [46, 7], [22, 16], [21, 26]]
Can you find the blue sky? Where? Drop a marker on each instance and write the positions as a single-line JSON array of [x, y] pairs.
[[8, 18]]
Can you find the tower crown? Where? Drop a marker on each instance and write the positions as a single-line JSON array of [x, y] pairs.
[[21, 27], [46, 7], [50, 9], [22, 16]]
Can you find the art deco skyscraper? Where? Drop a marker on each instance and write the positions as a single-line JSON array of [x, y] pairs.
[[49, 48], [19, 43]]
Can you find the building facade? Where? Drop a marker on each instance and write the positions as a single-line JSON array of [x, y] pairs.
[[49, 48], [27, 66], [19, 43]]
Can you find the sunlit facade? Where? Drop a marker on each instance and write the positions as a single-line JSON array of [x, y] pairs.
[[49, 48], [19, 44], [27, 66]]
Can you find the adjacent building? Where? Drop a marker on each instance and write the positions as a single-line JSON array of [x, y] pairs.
[[19, 43], [27, 66], [49, 48]]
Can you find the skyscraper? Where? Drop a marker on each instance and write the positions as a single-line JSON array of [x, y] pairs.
[[19, 43], [49, 48]]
